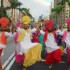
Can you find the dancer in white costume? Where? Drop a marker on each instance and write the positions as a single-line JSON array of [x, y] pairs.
[[32, 51], [53, 50]]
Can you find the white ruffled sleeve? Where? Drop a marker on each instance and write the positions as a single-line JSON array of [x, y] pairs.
[[34, 30], [9, 34], [19, 30], [42, 32], [67, 43]]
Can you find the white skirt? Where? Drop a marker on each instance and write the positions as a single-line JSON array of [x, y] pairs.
[[26, 46]]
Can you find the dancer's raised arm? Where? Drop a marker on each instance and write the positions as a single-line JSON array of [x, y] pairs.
[[13, 22]]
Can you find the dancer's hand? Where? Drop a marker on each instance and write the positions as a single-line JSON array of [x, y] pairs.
[[38, 26]]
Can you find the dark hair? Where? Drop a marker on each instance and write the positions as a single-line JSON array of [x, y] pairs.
[[50, 30]]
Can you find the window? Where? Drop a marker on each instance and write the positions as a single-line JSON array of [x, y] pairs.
[[67, 10]]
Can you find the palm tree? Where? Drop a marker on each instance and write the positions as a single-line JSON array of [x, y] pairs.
[[56, 11], [2, 10], [26, 12], [13, 5], [63, 2], [19, 4], [57, 8]]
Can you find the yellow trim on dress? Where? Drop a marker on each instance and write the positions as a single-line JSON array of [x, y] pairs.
[[21, 35]]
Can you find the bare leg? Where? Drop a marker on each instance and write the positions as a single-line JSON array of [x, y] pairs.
[[61, 62], [25, 68], [68, 67], [43, 60], [50, 66]]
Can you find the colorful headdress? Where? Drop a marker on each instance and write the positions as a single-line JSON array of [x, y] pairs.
[[68, 22], [49, 24], [26, 20], [4, 22]]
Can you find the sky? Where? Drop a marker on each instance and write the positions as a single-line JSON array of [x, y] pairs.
[[37, 7]]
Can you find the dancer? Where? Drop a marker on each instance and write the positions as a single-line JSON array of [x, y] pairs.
[[18, 55], [35, 34], [32, 51], [3, 36], [41, 38], [59, 38], [53, 50]]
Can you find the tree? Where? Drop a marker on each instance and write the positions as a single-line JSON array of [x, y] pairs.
[[56, 11], [19, 4], [3, 12], [57, 8], [27, 12], [15, 4], [63, 2]]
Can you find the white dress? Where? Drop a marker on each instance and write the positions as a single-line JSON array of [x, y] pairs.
[[51, 45], [59, 32], [26, 43], [17, 45], [68, 40]]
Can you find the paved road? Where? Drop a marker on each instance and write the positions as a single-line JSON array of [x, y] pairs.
[[41, 66], [8, 52]]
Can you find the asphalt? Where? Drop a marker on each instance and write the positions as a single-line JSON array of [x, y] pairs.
[[8, 50], [42, 66]]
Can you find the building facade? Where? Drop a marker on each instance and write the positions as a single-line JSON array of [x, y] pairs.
[[6, 3], [60, 18]]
